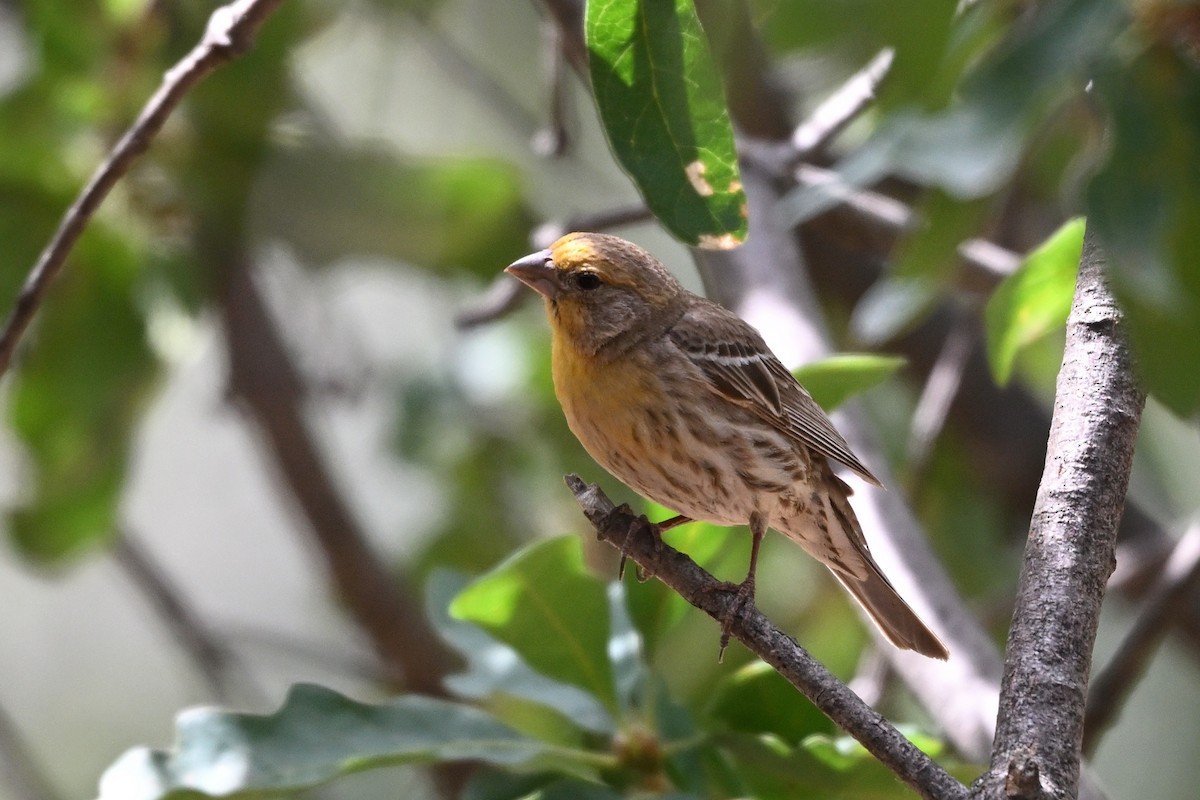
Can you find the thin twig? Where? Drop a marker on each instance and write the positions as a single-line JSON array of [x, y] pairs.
[[553, 137], [231, 31], [212, 658], [603, 220], [842, 107], [809, 676], [1069, 554], [461, 65], [941, 387], [312, 654], [1111, 688], [991, 260]]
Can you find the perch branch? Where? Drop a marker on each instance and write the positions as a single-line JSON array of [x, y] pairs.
[[230, 32], [751, 628]]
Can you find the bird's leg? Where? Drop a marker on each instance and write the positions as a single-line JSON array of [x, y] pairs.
[[655, 529], [745, 589]]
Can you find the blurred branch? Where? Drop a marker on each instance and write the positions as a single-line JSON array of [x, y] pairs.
[[1111, 688], [1070, 551], [546, 234], [553, 137], [23, 778], [809, 676], [264, 378], [212, 658], [992, 262], [567, 16], [460, 64], [317, 654], [842, 107], [230, 32], [941, 386]]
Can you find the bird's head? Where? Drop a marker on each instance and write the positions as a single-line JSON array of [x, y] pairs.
[[599, 288]]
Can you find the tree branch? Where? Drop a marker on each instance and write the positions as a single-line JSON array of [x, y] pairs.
[[385, 607], [1070, 552], [231, 31], [263, 377], [809, 676]]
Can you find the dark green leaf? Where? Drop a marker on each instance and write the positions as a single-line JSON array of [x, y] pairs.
[[756, 699], [77, 397], [1035, 299], [971, 147], [663, 110], [316, 736], [1144, 205], [545, 605], [831, 381]]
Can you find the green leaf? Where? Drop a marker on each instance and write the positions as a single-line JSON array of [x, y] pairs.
[[663, 111], [757, 699], [972, 146], [832, 381], [316, 736], [1144, 204], [494, 667], [545, 605], [77, 398], [843, 753], [1033, 300]]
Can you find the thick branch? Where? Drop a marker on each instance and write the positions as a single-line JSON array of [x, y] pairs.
[[1070, 552], [776, 648], [231, 31]]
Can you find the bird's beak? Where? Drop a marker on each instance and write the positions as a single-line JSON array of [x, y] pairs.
[[536, 271]]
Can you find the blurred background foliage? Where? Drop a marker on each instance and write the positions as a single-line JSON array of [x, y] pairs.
[[330, 203]]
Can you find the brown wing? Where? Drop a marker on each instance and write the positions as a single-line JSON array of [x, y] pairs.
[[738, 365]]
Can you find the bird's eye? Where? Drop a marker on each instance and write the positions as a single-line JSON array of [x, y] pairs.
[[588, 281]]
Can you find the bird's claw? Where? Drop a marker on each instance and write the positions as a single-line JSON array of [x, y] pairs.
[[743, 596], [639, 523]]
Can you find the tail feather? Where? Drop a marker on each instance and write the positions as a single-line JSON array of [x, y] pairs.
[[833, 535], [891, 614]]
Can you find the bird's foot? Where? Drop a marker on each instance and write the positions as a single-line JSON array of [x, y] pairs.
[[743, 597], [639, 524]]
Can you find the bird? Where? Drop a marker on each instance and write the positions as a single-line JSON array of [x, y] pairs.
[[682, 401]]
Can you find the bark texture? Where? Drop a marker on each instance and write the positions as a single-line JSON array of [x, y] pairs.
[[1070, 551]]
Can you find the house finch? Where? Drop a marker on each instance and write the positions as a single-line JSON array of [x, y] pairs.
[[682, 401]]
